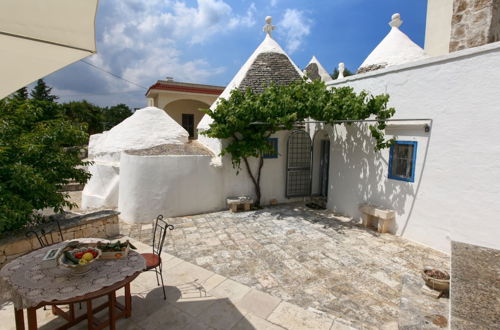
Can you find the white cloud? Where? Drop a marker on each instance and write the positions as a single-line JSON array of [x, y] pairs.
[[144, 41], [248, 20], [274, 3], [155, 65], [295, 26]]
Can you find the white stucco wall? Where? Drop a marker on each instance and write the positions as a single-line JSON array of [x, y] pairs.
[[273, 176], [184, 185], [457, 188], [171, 185], [147, 127], [101, 191]]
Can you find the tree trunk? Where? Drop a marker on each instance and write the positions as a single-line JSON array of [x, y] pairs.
[[256, 181]]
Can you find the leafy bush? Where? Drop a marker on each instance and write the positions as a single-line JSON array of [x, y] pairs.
[[37, 157]]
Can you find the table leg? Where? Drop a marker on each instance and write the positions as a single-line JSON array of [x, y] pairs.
[[19, 314], [128, 301], [90, 315], [71, 312], [32, 324], [112, 310]]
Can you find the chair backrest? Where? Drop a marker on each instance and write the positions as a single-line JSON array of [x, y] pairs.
[[159, 233], [45, 235]]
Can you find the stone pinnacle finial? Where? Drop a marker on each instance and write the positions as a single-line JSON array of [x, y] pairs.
[[341, 70], [268, 28], [396, 20]]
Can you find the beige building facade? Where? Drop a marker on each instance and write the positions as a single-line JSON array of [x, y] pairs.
[[438, 27], [183, 102]]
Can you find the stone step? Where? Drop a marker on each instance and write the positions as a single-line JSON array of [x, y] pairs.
[[475, 288]]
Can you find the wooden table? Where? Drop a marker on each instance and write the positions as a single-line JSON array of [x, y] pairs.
[[115, 309]]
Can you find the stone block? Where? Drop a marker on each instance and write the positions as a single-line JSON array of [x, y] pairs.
[[112, 230], [480, 4], [461, 6], [18, 247], [377, 211]]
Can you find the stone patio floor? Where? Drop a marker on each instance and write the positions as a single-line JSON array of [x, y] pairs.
[[197, 299], [329, 266]]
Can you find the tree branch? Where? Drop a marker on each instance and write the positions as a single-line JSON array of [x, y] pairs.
[[249, 170]]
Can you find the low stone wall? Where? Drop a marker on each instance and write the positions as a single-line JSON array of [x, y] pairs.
[[101, 224]]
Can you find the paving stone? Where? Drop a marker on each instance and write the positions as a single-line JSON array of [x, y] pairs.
[[259, 303], [185, 272], [222, 314], [308, 257], [194, 306], [212, 282], [231, 289], [291, 317], [251, 322], [167, 317]]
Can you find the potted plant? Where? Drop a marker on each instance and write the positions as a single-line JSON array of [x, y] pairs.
[[436, 279]]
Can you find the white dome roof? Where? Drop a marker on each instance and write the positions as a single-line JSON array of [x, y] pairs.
[[396, 48], [146, 128]]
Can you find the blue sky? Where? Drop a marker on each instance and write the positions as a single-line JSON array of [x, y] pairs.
[[207, 41]]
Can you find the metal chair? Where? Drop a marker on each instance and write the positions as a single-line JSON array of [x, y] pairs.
[[45, 236], [153, 260]]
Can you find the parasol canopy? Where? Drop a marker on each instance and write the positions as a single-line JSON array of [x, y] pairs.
[[40, 37]]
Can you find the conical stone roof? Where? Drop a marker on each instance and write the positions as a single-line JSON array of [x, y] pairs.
[[268, 63], [315, 71], [396, 48]]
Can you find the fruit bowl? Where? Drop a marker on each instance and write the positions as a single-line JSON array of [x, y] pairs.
[[78, 259]]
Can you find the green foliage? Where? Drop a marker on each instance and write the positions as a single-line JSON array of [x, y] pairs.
[[42, 92], [247, 119], [335, 73], [96, 119], [21, 94], [37, 158], [85, 113], [114, 115]]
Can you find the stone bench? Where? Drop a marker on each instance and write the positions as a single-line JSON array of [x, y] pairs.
[[237, 204], [383, 217]]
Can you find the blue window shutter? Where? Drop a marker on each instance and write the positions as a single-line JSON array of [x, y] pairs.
[[394, 158], [274, 143]]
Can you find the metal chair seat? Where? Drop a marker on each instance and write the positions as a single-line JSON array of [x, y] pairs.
[[152, 260]]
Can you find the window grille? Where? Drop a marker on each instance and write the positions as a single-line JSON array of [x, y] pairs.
[[298, 177]]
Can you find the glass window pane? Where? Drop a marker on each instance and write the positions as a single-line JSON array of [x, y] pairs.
[[402, 160]]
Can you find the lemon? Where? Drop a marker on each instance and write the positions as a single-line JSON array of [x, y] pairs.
[[83, 261], [87, 256]]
